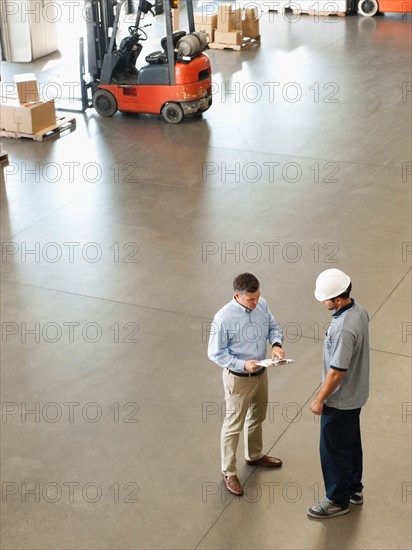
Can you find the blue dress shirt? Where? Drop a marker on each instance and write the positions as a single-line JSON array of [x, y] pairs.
[[238, 334]]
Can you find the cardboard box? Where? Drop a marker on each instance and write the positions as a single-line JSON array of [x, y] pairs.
[[251, 14], [236, 20], [229, 19], [27, 88], [250, 23], [230, 38], [208, 29], [223, 17], [251, 29], [206, 19], [207, 23], [27, 119]]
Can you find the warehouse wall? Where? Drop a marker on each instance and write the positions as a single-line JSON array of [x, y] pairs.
[[28, 28]]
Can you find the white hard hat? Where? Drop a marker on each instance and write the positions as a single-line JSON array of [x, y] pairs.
[[331, 283]]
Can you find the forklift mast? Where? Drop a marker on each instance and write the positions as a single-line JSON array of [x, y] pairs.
[[100, 18], [113, 55]]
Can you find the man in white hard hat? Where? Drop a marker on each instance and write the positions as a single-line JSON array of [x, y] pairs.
[[344, 391]]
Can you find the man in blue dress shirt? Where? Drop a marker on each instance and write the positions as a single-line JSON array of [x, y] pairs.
[[239, 335]]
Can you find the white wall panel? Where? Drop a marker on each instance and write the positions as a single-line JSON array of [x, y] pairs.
[[28, 29], [43, 28]]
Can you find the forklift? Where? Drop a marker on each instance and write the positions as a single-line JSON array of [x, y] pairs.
[[175, 82]]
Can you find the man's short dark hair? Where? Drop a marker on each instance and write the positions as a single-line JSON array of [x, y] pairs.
[[246, 282], [345, 294]]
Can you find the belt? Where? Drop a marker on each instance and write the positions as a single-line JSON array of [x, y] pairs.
[[247, 374]]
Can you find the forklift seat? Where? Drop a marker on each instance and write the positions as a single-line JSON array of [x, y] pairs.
[[156, 58], [159, 58]]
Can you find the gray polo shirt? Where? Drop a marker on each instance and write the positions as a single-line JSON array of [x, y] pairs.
[[346, 348]]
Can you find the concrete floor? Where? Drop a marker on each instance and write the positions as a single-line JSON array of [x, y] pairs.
[[284, 180]]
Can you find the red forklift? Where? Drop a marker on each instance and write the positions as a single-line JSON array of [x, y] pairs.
[[176, 80]]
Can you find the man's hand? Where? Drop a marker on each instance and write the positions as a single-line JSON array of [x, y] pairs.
[[316, 407], [250, 365], [332, 381], [277, 353]]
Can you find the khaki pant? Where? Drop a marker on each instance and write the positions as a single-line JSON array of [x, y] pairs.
[[246, 403]]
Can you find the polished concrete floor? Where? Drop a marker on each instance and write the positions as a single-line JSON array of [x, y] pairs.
[[121, 240]]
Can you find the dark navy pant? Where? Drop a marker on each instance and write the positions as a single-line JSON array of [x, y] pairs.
[[341, 453]]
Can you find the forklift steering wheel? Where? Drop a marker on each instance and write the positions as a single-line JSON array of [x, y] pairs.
[[140, 33]]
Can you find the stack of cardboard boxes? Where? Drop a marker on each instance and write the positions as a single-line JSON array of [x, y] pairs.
[[250, 23], [230, 25], [25, 114]]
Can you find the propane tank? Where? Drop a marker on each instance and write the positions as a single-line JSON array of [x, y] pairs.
[[193, 43]]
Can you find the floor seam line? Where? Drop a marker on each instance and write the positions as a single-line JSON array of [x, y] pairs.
[[131, 304], [349, 162], [256, 467], [390, 294]]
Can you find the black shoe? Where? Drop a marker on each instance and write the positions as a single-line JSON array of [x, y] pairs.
[[356, 498]]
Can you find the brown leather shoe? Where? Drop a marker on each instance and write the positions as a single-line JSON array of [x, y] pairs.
[[233, 485], [266, 461]]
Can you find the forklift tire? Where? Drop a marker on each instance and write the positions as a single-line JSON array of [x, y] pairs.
[[105, 103], [173, 113], [368, 8]]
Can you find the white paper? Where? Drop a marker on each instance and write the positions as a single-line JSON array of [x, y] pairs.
[[275, 363]]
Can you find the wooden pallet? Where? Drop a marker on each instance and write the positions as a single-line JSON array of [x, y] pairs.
[[63, 124], [299, 11], [247, 42]]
